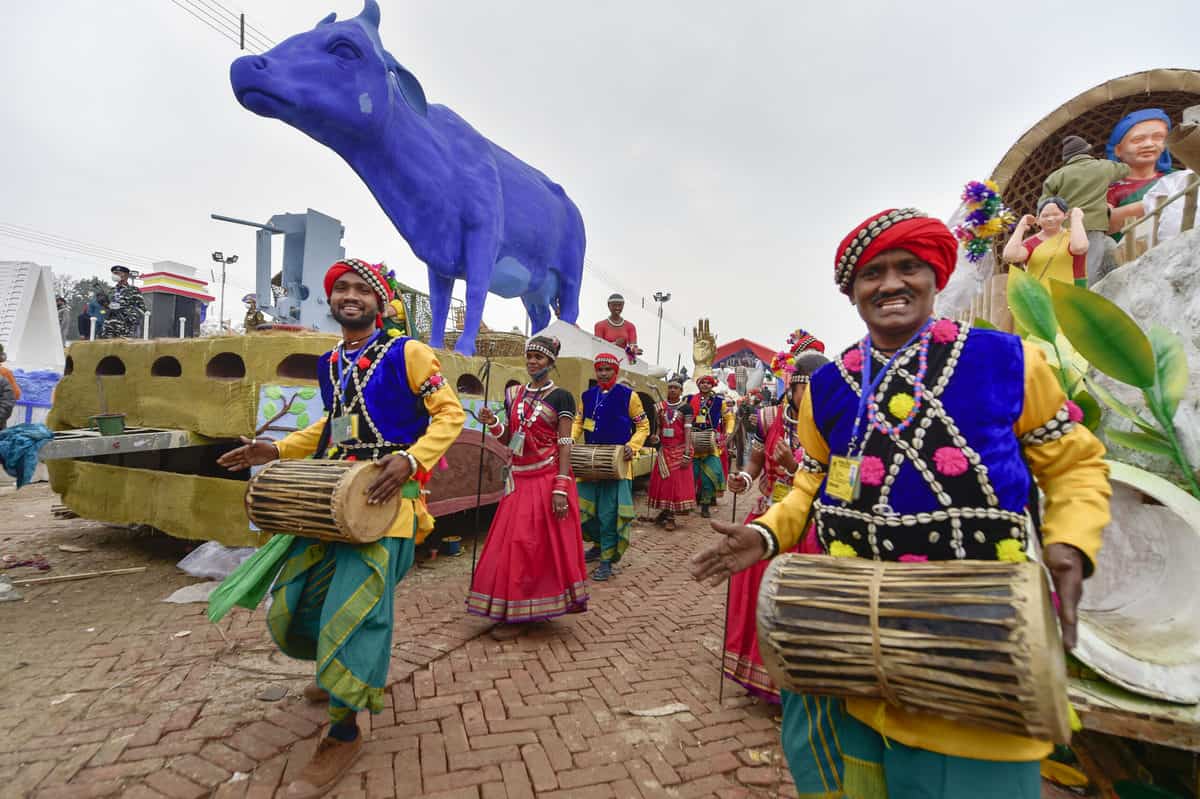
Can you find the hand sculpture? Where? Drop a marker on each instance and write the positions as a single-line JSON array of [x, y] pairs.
[[704, 347]]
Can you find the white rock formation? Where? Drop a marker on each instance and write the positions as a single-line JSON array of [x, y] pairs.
[[1162, 287]]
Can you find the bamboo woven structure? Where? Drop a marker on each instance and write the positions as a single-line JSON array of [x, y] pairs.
[[972, 641], [1092, 115], [492, 344], [319, 499]]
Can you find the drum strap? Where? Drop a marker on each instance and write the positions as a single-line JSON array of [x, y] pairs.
[[876, 650]]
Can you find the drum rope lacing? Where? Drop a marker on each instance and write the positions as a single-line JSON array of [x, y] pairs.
[[876, 647]]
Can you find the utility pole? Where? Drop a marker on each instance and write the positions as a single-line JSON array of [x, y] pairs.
[[224, 261], [242, 32], [661, 298]]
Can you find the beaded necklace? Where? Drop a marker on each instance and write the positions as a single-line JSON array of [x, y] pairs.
[[524, 422], [705, 403], [877, 420], [671, 410]]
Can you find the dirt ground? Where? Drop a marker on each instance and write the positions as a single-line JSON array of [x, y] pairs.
[[106, 690]]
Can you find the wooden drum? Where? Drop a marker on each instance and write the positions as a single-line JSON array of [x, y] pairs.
[[598, 461], [319, 499], [972, 641], [704, 442]]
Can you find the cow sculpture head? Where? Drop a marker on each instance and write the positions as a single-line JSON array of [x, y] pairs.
[[335, 82]]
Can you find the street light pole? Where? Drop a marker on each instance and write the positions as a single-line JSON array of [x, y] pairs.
[[224, 261], [661, 298]]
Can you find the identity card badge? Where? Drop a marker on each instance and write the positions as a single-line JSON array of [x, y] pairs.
[[845, 479]]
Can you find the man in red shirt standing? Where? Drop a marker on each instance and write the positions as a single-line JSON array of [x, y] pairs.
[[618, 331]]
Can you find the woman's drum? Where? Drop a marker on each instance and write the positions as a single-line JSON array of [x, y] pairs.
[[972, 641], [598, 461], [319, 499], [704, 442]]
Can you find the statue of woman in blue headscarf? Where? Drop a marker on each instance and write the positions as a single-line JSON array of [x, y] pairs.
[[1139, 140]]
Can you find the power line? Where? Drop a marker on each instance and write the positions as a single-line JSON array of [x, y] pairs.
[[206, 22], [99, 256], [589, 264], [230, 25], [234, 21], [109, 252], [229, 28], [248, 25]]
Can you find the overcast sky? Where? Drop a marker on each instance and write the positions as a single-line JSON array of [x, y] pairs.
[[717, 150]]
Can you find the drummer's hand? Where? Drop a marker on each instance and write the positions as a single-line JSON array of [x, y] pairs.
[[737, 484], [395, 471], [627, 452], [1066, 569], [559, 503], [687, 454], [254, 452], [740, 548], [486, 417]]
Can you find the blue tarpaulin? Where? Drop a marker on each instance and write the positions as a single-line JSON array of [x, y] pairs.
[[19, 447]]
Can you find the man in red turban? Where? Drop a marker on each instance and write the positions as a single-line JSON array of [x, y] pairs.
[[611, 413], [372, 274], [919, 442], [386, 402], [710, 413]]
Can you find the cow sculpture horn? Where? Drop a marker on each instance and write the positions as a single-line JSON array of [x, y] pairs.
[[370, 12]]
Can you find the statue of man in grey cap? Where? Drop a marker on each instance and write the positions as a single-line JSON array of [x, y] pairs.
[[1082, 182]]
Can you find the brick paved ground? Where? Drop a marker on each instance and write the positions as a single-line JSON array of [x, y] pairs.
[[107, 691]]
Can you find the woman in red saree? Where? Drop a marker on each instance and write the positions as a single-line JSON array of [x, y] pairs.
[[672, 486], [532, 568], [775, 456]]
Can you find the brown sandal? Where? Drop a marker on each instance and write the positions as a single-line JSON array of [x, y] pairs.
[[669, 525]]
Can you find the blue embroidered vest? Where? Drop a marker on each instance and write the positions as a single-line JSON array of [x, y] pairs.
[[610, 410], [391, 415], [709, 419], [953, 484]]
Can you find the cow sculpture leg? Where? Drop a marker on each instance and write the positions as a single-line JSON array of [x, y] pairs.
[[439, 307], [570, 279], [539, 313], [481, 260]]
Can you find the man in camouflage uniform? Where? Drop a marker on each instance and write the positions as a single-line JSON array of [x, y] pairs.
[[126, 309]]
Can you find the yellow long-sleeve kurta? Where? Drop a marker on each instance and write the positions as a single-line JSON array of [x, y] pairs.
[[1074, 478], [446, 419], [641, 429]]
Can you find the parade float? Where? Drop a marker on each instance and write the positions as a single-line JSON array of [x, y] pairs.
[[139, 424], [1127, 352]]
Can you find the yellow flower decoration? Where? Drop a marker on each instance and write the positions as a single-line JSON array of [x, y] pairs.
[[901, 405], [840, 550], [1012, 550]]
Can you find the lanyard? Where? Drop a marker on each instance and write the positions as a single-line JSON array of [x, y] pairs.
[[344, 378], [869, 385], [601, 397]]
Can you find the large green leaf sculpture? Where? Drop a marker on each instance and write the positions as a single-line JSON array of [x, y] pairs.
[[1170, 364], [1031, 305], [1104, 334], [1142, 442]]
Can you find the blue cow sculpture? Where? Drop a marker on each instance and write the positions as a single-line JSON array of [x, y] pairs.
[[468, 208]]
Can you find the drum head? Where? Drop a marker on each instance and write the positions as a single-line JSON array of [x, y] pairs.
[[360, 522]]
